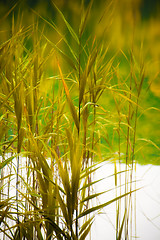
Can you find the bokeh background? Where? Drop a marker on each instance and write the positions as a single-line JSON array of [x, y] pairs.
[[120, 25]]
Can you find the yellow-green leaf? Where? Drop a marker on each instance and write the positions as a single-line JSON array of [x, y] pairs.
[[71, 105], [70, 29], [84, 18]]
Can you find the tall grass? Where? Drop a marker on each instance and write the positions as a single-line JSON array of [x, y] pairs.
[[57, 129]]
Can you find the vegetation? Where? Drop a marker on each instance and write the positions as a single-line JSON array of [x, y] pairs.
[[66, 107]]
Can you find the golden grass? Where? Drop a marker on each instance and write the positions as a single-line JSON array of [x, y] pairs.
[[60, 130]]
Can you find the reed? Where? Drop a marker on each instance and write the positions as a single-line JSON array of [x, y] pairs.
[[57, 128]]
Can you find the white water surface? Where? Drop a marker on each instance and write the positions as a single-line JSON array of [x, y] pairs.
[[145, 221], [147, 225]]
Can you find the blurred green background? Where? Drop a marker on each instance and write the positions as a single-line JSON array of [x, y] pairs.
[[119, 25]]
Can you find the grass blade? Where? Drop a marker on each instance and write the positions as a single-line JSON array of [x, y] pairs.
[[84, 19], [71, 105], [70, 29], [96, 208]]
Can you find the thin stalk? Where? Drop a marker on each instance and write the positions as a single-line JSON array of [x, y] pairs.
[[79, 117], [135, 130], [79, 75], [93, 132], [1, 185], [118, 222], [133, 153], [2, 171], [128, 149], [17, 187]]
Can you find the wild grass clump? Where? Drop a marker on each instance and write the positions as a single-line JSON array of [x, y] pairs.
[[56, 129]]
